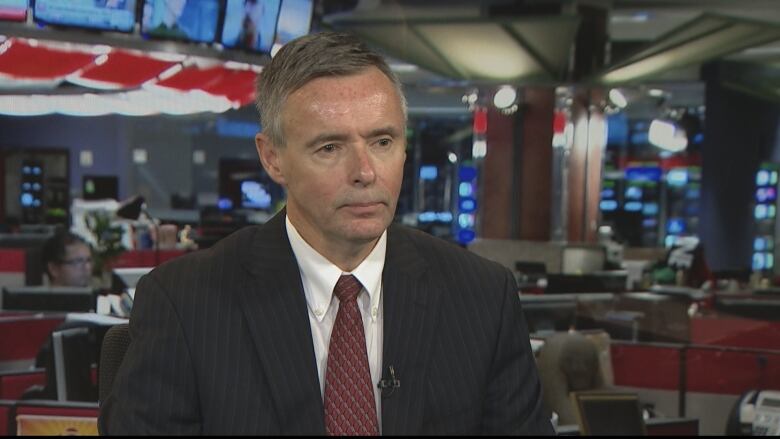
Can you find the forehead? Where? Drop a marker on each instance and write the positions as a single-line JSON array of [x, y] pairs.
[[364, 83], [76, 248]]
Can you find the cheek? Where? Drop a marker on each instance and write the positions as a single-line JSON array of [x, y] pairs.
[[316, 191]]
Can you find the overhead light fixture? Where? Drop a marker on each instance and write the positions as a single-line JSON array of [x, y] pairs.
[[667, 135], [505, 99], [702, 39], [470, 99], [618, 98], [655, 92], [508, 50]]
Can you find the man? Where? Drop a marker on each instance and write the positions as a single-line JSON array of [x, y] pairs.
[[67, 259], [327, 319]]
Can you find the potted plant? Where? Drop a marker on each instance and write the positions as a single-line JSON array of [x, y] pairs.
[[108, 247]]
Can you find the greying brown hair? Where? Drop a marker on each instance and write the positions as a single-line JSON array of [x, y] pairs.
[[305, 59]]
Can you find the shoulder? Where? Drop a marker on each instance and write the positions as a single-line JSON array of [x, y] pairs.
[[215, 262], [437, 251], [446, 257]]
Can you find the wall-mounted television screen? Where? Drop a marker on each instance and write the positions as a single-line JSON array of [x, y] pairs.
[[294, 20], [13, 10], [255, 195], [111, 15], [185, 20], [250, 24], [99, 187]]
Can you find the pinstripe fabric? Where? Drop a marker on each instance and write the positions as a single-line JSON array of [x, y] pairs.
[[221, 344]]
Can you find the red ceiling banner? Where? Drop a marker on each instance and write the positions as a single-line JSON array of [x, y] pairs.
[[22, 60], [121, 70]]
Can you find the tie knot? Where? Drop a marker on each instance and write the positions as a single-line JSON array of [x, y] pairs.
[[347, 288]]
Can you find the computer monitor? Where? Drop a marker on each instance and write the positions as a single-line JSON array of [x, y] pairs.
[[751, 308], [250, 25], [131, 276], [608, 413], [13, 10], [74, 352], [606, 282], [100, 187], [32, 244], [294, 20], [184, 20], [581, 259], [111, 16], [54, 418], [46, 298], [549, 314]]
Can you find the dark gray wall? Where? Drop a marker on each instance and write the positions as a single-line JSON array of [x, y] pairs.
[[740, 132], [169, 142]]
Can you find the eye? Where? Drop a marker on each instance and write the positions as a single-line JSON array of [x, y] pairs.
[[329, 148], [385, 142]]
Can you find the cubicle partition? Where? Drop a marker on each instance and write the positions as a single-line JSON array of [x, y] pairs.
[[27, 332], [695, 381]]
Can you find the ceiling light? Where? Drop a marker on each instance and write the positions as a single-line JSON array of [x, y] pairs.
[[617, 98], [505, 97], [527, 49], [655, 92], [403, 68], [702, 39], [666, 135]]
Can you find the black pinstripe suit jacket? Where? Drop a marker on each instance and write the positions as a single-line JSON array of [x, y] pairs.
[[221, 343]]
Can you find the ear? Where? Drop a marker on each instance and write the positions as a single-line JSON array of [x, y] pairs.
[[53, 272], [269, 157]]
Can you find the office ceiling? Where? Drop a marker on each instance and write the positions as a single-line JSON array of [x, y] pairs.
[[657, 46], [441, 49]]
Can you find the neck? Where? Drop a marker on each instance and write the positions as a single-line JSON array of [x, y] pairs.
[[345, 255], [347, 258]]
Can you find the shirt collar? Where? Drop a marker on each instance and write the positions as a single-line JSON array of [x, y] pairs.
[[319, 275]]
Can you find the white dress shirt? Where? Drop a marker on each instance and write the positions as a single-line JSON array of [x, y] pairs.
[[319, 277]]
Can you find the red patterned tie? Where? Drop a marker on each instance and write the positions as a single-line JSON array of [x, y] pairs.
[[349, 396]]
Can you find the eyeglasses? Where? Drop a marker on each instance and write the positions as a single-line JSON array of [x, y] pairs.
[[77, 261]]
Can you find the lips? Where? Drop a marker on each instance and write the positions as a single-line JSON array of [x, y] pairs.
[[370, 204], [363, 208]]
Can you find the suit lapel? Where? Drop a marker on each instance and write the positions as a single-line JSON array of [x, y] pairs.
[[410, 304], [275, 308]]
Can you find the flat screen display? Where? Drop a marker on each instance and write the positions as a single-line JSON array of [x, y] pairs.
[[250, 24], [254, 195], [766, 194], [634, 193], [294, 20], [13, 10], [100, 187], [185, 20], [112, 15], [608, 205]]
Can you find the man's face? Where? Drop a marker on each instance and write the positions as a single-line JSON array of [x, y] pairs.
[[343, 161], [75, 269]]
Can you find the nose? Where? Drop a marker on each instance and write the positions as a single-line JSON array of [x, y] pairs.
[[363, 172]]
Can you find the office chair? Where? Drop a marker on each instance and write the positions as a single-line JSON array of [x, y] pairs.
[[568, 362], [601, 413], [113, 349]]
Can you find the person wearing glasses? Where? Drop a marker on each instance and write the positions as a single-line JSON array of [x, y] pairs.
[[67, 259]]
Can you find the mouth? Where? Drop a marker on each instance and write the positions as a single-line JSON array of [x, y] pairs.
[[364, 208]]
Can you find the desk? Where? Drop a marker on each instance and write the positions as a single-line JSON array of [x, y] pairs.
[[145, 258], [654, 427]]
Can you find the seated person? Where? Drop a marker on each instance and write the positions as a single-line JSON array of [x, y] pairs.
[[67, 259], [568, 362]]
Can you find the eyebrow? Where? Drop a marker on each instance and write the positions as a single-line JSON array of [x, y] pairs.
[[335, 137]]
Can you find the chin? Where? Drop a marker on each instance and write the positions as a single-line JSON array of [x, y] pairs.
[[366, 230]]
